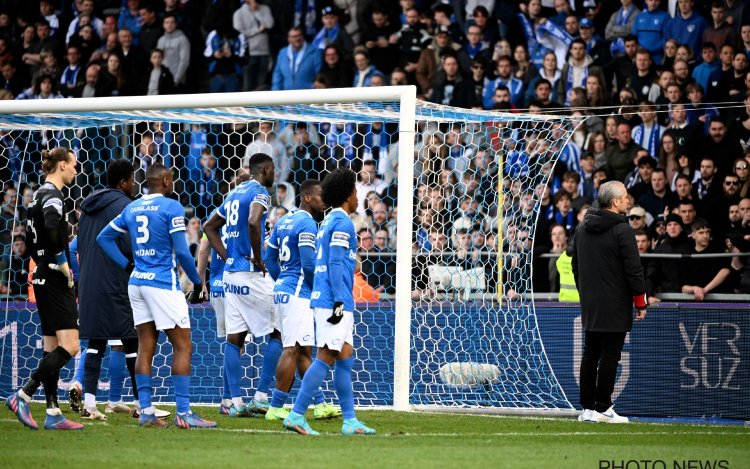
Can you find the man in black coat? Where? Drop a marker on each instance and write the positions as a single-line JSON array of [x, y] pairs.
[[609, 277], [451, 88], [103, 303]]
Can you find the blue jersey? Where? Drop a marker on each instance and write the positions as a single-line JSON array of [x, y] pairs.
[[236, 211], [151, 220], [216, 271], [336, 245], [294, 231]]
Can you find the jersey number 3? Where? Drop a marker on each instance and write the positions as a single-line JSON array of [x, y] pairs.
[[143, 235]]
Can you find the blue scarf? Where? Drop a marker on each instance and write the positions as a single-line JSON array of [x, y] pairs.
[[569, 85], [474, 50], [623, 15], [549, 212], [528, 31], [566, 221], [295, 58], [376, 142], [341, 139], [423, 241], [325, 37], [305, 19], [653, 139]]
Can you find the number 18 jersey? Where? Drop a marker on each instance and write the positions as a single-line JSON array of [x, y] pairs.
[[236, 212], [151, 220]]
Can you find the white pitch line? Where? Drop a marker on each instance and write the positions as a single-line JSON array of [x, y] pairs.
[[498, 434], [448, 434]]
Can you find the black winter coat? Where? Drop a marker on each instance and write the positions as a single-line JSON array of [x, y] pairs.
[[103, 303], [668, 275], [607, 271]]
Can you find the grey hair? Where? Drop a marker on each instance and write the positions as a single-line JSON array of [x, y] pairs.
[[608, 192]]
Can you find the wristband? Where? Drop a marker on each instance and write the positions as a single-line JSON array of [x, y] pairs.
[[640, 301]]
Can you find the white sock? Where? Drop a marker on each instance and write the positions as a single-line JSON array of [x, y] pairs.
[[238, 403], [226, 402], [24, 396], [54, 411], [149, 410], [260, 396], [89, 400]]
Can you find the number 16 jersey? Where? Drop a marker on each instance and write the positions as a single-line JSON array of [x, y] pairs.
[[294, 230]]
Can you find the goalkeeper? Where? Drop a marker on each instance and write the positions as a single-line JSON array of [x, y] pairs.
[[47, 239]]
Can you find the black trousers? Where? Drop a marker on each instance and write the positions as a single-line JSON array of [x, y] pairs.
[[601, 355]]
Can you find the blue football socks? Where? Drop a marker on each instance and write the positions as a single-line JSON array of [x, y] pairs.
[[270, 360], [117, 374], [318, 397], [314, 377], [143, 383], [79, 369], [342, 379], [279, 398], [233, 368], [182, 393]]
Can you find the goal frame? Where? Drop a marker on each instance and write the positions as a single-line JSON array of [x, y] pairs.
[[406, 96]]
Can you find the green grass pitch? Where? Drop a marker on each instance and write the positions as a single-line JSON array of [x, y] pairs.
[[403, 440]]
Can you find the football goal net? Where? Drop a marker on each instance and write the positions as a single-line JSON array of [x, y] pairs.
[[448, 203]]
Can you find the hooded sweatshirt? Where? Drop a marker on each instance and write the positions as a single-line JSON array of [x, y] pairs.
[[103, 303]]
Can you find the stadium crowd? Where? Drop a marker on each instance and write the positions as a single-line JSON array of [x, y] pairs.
[[664, 89]]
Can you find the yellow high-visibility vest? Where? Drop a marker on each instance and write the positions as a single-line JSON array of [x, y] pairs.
[[568, 291]]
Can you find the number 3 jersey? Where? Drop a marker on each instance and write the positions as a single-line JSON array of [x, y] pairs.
[[151, 220], [336, 246], [236, 212], [294, 231]]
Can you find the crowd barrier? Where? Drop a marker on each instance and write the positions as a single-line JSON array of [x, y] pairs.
[[684, 360]]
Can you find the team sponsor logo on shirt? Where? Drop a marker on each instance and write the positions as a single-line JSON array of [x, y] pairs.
[[178, 222], [262, 199], [54, 203], [306, 238], [143, 275], [340, 236]]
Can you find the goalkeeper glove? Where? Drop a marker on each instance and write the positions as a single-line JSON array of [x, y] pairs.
[[338, 313], [195, 296]]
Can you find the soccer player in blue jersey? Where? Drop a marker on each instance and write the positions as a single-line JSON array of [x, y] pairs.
[[216, 282], [290, 259], [332, 299], [156, 224], [248, 291]]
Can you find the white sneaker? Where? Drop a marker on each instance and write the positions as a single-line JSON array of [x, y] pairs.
[[610, 416], [585, 416], [92, 414], [159, 413], [119, 408], [162, 414]]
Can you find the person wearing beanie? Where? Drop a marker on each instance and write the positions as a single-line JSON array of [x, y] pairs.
[[665, 275]]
